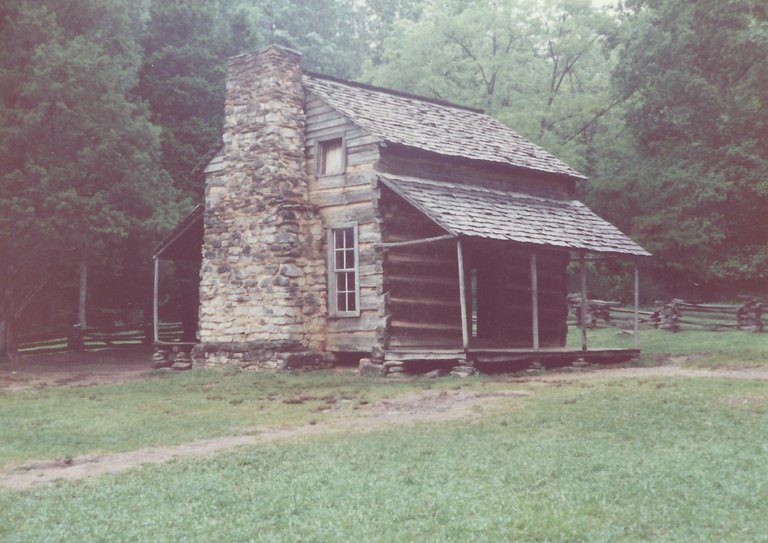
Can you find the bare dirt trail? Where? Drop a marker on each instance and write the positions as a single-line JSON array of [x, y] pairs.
[[77, 369], [759, 373], [426, 406]]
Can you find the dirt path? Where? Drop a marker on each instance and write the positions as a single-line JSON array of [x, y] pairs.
[[759, 373], [403, 410], [77, 369]]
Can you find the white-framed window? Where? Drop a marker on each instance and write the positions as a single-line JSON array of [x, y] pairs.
[[343, 276], [331, 159]]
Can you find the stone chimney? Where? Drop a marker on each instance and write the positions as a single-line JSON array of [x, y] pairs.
[[262, 285]]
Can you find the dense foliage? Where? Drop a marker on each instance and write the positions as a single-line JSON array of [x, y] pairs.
[[81, 179], [696, 76], [105, 108]]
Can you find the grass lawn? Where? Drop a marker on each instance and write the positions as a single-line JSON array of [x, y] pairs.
[[608, 459], [632, 460], [732, 348], [61, 422]]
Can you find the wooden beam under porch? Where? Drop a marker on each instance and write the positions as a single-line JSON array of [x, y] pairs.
[[555, 355]]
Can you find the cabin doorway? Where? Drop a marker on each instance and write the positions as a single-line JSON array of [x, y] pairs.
[[501, 308]]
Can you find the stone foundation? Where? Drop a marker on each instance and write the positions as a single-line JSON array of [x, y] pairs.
[[174, 359], [259, 356]]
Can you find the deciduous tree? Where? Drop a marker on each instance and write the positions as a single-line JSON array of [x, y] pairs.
[[698, 185]]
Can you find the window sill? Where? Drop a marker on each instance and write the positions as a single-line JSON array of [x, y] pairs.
[[327, 175]]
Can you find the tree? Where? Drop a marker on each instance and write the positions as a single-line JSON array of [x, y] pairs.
[[182, 78], [698, 185], [80, 156], [330, 34], [542, 68], [185, 51]]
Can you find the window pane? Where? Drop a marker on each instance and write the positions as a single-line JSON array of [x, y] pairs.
[[338, 235], [351, 281], [349, 259], [341, 282], [351, 304], [341, 301], [349, 237], [340, 260], [331, 157]]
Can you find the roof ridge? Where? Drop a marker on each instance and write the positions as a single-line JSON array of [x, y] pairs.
[[393, 92]]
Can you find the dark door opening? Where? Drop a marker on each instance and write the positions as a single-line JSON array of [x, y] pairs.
[[500, 301]]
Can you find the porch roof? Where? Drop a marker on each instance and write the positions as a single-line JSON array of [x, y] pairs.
[[471, 210], [185, 240]]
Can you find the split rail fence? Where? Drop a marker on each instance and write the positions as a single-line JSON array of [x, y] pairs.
[[673, 315], [92, 339]]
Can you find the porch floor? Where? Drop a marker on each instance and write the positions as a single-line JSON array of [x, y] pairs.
[[561, 355]]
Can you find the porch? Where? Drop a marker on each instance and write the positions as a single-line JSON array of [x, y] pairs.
[[486, 283], [182, 248], [556, 356]]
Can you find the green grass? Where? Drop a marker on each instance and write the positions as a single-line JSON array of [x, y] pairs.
[[633, 460], [734, 348], [173, 408], [609, 460]]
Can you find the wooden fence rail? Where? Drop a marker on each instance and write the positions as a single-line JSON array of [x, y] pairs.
[[673, 315], [72, 339]]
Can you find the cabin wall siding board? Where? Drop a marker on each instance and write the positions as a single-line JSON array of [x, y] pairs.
[[406, 162], [418, 272]]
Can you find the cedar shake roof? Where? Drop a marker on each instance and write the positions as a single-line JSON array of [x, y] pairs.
[[433, 125], [471, 210]]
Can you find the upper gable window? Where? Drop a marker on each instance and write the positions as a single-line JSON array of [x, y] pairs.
[[330, 157]]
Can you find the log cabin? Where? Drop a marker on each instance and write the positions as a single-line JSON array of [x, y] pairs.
[[346, 220]]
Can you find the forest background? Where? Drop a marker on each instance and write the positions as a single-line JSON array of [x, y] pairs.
[[107, 105]]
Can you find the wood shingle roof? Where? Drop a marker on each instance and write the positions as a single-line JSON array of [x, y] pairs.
[[433, 125], [471, 210]]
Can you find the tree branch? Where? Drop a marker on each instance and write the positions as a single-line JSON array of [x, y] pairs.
[[22, 306], [473, 57], [592, 120]]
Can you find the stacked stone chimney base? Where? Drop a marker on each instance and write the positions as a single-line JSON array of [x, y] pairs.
[[262, 279], [259, 355]]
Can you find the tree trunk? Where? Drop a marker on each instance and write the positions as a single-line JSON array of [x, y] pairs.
[[8, 347], [83, 294]]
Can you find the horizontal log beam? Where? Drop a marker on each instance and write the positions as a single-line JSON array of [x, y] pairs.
[[424, 301], [409, 243], [425, 326]]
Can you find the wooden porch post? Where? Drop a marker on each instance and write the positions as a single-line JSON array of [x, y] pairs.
[[463, 297], [637, 307], [583, 269], [535, 301], [154, 299]]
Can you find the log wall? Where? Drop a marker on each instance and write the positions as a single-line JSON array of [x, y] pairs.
[[349, 197], [502, 304], [421, 282], [402, 161]]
